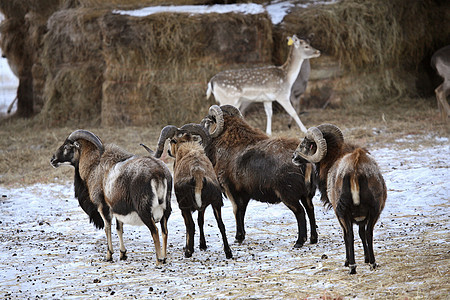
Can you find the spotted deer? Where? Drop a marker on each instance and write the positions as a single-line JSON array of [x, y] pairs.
[[264, 84]]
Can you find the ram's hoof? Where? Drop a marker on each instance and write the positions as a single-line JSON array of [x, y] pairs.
[[239, 238], [161, 260], [188, 253], [109, 256], [299, 244]]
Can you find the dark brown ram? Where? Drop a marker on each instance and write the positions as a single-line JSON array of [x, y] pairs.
[[350, 181], [251, 165]]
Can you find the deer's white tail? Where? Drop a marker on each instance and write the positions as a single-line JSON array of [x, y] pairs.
[[209, 90]]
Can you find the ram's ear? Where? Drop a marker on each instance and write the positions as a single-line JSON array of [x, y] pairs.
[[77, 145]]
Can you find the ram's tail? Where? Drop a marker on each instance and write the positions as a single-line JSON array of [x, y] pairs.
[[354, 188], [358, 155], [198, 174]]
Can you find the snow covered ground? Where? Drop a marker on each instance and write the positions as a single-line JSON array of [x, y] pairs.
[[50, 250]]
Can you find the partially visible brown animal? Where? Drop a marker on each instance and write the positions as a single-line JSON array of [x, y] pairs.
[[440, 61], [350, 181]]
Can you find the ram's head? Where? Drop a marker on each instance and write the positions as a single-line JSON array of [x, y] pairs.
[[176, 136], [69, 152]]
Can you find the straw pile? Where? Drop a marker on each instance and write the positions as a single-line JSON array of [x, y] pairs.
[[21, 34], [120, 70], [73, 70], [90, 66], [74, 66], [135, 3], [158, 66], [378, 44]]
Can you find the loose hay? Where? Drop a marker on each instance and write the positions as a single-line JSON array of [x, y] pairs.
[[378, 44], [134, 71], [158, 66], [411, 248]]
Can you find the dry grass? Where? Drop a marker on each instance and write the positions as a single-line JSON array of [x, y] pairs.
[[26, 146]]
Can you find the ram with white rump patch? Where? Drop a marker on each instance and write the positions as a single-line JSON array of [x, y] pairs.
[[110, 182], [265, 84], [350, 181]]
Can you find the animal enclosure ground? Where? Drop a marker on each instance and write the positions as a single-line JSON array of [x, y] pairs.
[[51, 251]]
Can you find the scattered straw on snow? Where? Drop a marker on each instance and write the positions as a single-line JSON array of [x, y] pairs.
[[51, 250]]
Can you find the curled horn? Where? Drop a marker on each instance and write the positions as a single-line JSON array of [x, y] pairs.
[[315, 135], [217, 113], [198, 130], [231, 110], [333, 130], [88, 136], [166, 133]]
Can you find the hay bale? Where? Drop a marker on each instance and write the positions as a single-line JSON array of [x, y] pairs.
[[21, 33], [74, 65], [120, 70], [378, 45], [158, 66], [120, 4], [133, 4]]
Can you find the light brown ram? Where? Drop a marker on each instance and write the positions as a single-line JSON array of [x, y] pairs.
[[195, 182]]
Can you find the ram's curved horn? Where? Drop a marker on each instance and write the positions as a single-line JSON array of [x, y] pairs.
[[333, 130], [216, 112], [198, 130], [313, 134], [231, 110], [88, 136], [166, 133]]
